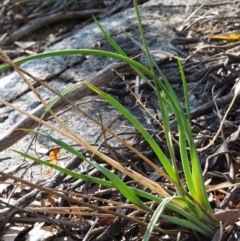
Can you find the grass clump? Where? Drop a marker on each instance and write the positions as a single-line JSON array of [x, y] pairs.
[[189, 207]]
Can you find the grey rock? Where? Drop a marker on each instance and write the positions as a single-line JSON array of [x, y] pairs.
[[62, 71]]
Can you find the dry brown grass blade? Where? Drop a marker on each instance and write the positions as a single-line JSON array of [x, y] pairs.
[[92, 119], [155, 187], [7, 60], [85, 211], [78, 202], [84, 113], [20, 72], [102, 77], [72, 136], [145, 181]]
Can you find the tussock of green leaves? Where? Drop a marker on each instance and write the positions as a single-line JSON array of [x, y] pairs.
[[195, 212]]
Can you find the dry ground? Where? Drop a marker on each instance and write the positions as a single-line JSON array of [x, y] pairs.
[[211, 56]]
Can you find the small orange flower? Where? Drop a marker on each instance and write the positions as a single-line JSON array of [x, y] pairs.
[[54, 155]]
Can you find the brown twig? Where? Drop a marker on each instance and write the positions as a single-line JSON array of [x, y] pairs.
[[43, 21]]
